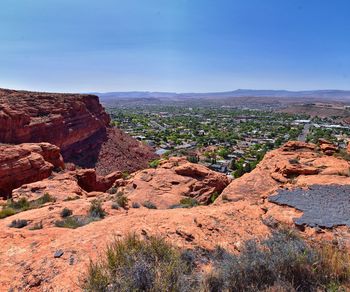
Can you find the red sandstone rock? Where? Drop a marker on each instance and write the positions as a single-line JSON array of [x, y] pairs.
[[27, 256], [173, 180], [89, 181], [68, 185], [25, 163], [76, 123], [294, 164]]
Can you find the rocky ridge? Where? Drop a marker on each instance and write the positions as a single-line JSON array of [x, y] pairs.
[[240, 213]]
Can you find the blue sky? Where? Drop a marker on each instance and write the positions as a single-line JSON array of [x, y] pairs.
[[174, 45]]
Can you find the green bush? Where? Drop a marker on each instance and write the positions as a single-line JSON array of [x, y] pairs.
[[66, 212], [6, 212], [46, 198], [154, 163], [21, 205], [73, 222], [284, 259], [132, 264], [149, 205], [71, 198], [135, 205], [112, 190], [186, 203], [213, 197], [19, 223], [96, 210], [122, 200]]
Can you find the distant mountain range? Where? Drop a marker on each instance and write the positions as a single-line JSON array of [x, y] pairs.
[[322, 94]]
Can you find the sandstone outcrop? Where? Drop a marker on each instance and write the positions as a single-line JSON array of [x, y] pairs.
[[68, 185], [327, 147], [27, 257], [25, 163], [173, 180], [76, 123], [294, 164]]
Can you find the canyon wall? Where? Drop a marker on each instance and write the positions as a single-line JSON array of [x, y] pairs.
[[76, 123]]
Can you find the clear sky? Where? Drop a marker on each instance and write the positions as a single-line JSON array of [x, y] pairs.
[[174, 45]]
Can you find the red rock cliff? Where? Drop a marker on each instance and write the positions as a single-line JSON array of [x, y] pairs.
[[76, 123]]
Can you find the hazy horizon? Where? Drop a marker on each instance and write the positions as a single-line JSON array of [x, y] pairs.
[[178, 46]]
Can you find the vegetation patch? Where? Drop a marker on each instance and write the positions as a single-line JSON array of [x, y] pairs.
[[74, 221], [71, 198], [66, 212], [135, 205], [19, 223], [121, 200], [95, 213], [13, 207], [154, 163], [136, 265], [282, 260], [6, 212], [149, 205], [213, 197], [186, 203]]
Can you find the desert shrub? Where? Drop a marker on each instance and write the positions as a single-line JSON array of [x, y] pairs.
[[115, 206], [21, 205], [149, 205], [125, 175], [96, 210], [190, 202], [37, 226], [66, 212], [185, 203], [213, 197], [19, 223], [6, 212], [283, 260], [121, 200], [154, 163], [71, 198], [112, 190], [343, 154], [132, 264], [46, 198], [334, 264], [135, 205], [73, 222]]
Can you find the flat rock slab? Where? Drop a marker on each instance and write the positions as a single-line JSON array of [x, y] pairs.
[[324, 206]]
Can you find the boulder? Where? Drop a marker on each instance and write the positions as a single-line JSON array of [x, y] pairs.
[[26, 163]]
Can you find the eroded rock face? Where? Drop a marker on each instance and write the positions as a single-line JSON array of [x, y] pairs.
[[70, 121], [76, 123], [26, 163], [173, 180]]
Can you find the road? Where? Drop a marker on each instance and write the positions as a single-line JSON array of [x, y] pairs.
[[304, 133]]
